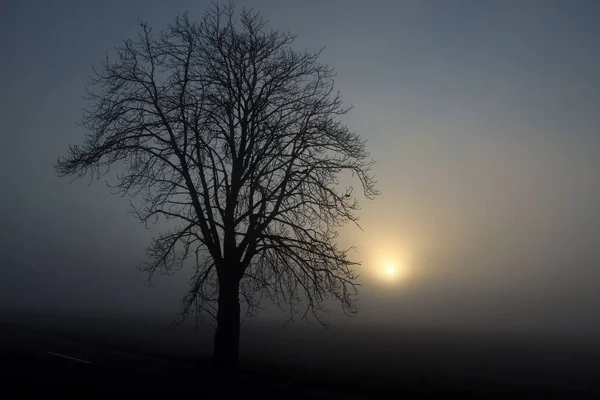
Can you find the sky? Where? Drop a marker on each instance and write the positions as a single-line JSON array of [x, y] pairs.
[[482, 117]]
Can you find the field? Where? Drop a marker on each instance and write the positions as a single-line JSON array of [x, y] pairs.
[[374, 362]]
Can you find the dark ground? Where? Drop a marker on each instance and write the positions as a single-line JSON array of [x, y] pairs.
[[97, 365], [36, 361]]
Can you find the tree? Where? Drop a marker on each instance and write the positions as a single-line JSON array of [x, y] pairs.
[[224, 130]]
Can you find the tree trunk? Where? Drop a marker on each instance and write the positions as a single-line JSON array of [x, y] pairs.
[[227, 336]]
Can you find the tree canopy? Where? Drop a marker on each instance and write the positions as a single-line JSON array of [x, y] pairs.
[[227, 131]]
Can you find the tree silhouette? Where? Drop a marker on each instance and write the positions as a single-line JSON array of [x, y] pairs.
[[235, 137]]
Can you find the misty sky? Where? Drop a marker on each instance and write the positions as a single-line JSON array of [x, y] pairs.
[[482, 115]]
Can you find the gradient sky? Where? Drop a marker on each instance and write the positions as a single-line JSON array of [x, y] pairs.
[[483, 117]]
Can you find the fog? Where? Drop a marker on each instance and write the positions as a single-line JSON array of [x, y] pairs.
[[482, 116]]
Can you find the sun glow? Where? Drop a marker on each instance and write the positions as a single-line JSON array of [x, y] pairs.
[[389, 260], [391, 270]]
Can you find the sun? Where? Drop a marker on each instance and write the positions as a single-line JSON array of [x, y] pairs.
[[391, 270], [390, 263]]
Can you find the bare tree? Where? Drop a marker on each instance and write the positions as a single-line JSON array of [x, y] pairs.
[[224, 129]]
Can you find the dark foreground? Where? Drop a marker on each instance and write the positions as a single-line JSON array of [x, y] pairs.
[[36, 360]]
